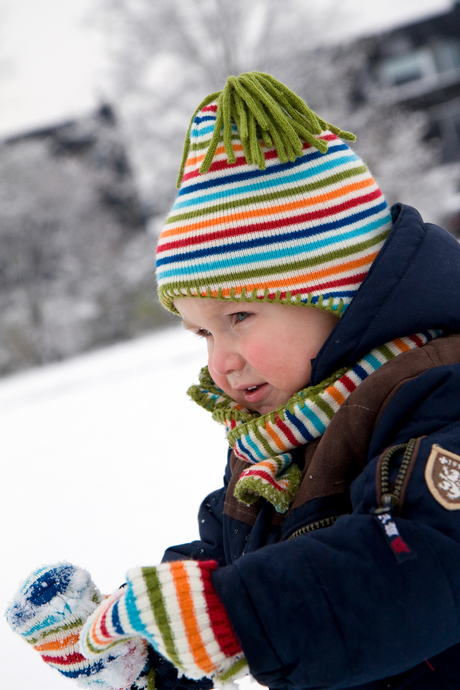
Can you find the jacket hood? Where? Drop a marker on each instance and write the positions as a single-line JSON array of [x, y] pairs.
[[413, 285]]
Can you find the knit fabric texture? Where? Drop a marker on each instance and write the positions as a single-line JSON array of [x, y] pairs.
[[48, 612], [174, 606], [266, 441], [300, 230]]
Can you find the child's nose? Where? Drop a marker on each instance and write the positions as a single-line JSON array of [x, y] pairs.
[[225, 361]]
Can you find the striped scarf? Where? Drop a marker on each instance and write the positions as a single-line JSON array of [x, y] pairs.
[[266, 441]]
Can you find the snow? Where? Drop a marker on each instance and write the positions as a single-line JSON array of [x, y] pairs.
[[105, 462]]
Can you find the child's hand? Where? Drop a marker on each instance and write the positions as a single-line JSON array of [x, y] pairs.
[[49, 611], [176, 609]]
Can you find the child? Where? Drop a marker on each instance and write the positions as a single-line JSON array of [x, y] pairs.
[[331, 557]]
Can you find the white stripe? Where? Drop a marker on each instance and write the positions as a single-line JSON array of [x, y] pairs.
[[282, 177], [332, 402], [312, 225], [268, 205], [291, 279], [173, 611], [217, 175], [201, 613]]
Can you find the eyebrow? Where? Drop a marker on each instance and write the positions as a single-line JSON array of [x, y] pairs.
[[189, 326]]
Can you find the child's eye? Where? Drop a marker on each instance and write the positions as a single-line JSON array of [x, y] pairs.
[[241, 316], [202, 333]]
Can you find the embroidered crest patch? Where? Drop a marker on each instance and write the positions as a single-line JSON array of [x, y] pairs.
[[442, 474]]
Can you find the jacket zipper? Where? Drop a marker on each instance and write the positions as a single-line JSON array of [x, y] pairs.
[[312, 526], [391, 499]]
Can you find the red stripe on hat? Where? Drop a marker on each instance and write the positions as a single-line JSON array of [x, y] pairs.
[[209, 107], [350, 280], [241, 160], [268, 225], [221, 165], [220, 623]]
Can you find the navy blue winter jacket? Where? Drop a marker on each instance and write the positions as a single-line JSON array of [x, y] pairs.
[[319, 598]]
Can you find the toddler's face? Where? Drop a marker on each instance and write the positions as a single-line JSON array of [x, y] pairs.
[[258, 353]]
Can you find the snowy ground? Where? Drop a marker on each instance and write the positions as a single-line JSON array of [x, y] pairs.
[[105, 461]]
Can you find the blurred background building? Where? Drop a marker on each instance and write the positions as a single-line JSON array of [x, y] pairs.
[[82, 200], [418, 66]]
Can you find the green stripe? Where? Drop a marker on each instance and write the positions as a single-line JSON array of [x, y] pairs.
[[98, 650], [386, 352], [323, 406], [233, 670], [52, 631], [199, 146], [157, 604], [272, 196], [266, 444], [247, 274]]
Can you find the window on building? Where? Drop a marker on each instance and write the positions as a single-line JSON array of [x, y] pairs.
[[446, 125], [420, 63]]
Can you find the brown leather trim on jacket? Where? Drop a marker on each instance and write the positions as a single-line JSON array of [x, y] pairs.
[[339, 456]]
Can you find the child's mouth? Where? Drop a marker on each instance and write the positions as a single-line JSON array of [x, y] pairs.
[[254, 393]]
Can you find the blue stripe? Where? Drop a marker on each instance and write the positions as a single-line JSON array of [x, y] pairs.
[[300, 427], [133, 613], [254, 174], [359, 371], [336, 294], [286, 461], [199, 132], [314, 419], [265, 241], [373, 361], [249, 440], [92, 668], [270, 182], [199, 119], [245, 451], [47, 622], [116, 619]]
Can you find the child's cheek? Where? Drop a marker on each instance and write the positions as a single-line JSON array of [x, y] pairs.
[[262, 356]]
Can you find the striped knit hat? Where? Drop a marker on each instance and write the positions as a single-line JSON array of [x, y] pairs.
[[273, 205]]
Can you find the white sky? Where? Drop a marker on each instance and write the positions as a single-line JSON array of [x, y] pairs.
[[53, 64]]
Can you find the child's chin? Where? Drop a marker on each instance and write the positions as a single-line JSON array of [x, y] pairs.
[[262, 409]]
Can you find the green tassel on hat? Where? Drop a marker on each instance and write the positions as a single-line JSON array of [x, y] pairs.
[[262, 108]]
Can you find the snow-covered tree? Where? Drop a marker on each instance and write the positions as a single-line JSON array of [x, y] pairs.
[[76, 265], [169, 54]]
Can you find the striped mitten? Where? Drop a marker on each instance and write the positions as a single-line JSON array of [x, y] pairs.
[[49, 610], [176, 609]]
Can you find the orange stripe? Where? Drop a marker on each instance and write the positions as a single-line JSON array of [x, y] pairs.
[[281, 208], [193, 160], [402, 345], [337, 395], [274, 436], [187, 609], [57, 644], [96, 638], [308, 277]]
